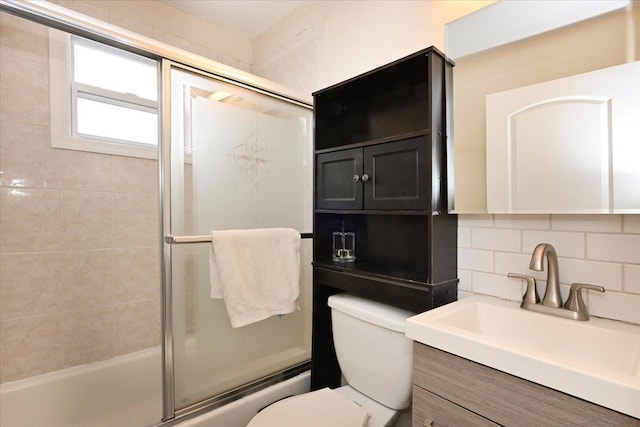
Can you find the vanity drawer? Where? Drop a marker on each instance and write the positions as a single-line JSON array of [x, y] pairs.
[[430, 410], [503, 398]]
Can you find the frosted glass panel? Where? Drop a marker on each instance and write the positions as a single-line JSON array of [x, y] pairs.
[[250, 167]]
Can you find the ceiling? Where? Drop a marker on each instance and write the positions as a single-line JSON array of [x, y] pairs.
[[248, 18]]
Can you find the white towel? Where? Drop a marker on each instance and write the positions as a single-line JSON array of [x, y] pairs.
[[257, 272]]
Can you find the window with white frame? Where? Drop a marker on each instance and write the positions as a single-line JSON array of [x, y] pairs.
[[103, 99]]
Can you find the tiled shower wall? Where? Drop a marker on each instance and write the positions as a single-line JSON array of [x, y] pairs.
[[597, 249], [79, 246]]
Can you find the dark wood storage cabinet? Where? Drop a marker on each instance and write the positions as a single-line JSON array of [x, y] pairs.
[[383, 170], [381, 176]]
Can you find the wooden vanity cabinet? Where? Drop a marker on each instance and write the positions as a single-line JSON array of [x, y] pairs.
[[453, 391], [383, 156]]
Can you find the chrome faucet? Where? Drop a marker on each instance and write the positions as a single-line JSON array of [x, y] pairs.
[[574, 308], [552, 297]]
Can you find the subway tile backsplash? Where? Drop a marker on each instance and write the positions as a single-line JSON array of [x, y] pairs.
[[597, 249]]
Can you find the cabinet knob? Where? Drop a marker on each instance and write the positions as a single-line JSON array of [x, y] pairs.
[[356, 178], [365, 177]]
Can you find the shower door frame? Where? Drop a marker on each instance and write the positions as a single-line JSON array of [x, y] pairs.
[[168, 240], [60, 18]]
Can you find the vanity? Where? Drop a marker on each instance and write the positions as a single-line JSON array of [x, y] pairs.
[[452, 391], [483, 361]]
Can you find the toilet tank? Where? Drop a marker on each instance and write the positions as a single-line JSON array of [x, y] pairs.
[[374, 354]]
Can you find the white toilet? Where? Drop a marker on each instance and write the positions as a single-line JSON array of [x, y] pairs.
[[375, 358]]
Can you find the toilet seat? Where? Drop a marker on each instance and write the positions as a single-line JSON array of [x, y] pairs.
[[320, 408]]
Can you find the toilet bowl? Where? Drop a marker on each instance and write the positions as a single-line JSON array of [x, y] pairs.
[[375, 358]]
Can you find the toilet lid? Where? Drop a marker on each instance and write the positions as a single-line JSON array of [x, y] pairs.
[[320, 408]]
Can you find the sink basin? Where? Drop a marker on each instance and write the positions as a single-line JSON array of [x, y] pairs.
[[598, 360]]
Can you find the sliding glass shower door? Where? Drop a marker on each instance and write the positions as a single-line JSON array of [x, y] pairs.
[[240, 158]]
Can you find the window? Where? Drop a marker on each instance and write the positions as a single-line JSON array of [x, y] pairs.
[[103, 99]]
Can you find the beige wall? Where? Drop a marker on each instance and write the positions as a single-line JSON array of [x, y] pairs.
[[325, 42], [79, 248]]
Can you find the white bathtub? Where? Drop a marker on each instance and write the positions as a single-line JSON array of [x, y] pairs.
[[240, 412], [125, 391]]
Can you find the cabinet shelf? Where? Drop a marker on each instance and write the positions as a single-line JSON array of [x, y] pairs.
[[373, 212], [392, 138], [386, 273]]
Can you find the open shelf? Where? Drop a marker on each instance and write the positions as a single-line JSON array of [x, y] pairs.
[[383, 272], [392, 101]]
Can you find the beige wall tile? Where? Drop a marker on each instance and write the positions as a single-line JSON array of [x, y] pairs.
[[24, 135], [132, 175], [201, 50], [128, 24], [86, 8], [632, 224], [614, 247], [88, 335], [23, 39], [87, 279], [135, 220], [632, 278], [499, 239], [137, 326], [236, 63], [23, 167], [85, 171], [29, 284], [29, 220], [24, 86], [86, 220], [136, 274], [30, 346], [596, 223], [171, 39]]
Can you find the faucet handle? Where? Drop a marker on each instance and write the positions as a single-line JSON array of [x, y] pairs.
[[575, 301], [531, 295]]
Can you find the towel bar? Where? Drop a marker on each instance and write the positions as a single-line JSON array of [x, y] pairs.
[[178, 240]]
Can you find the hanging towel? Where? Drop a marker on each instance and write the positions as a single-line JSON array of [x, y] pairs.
[[257, 272]]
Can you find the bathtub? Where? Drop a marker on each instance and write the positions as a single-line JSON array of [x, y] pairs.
[[125, 391], [240, 412]]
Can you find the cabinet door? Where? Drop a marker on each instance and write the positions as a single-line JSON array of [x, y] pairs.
[[398, 175], [336, 187]]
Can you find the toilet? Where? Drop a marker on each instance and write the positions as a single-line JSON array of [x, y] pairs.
[[375, 358]]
